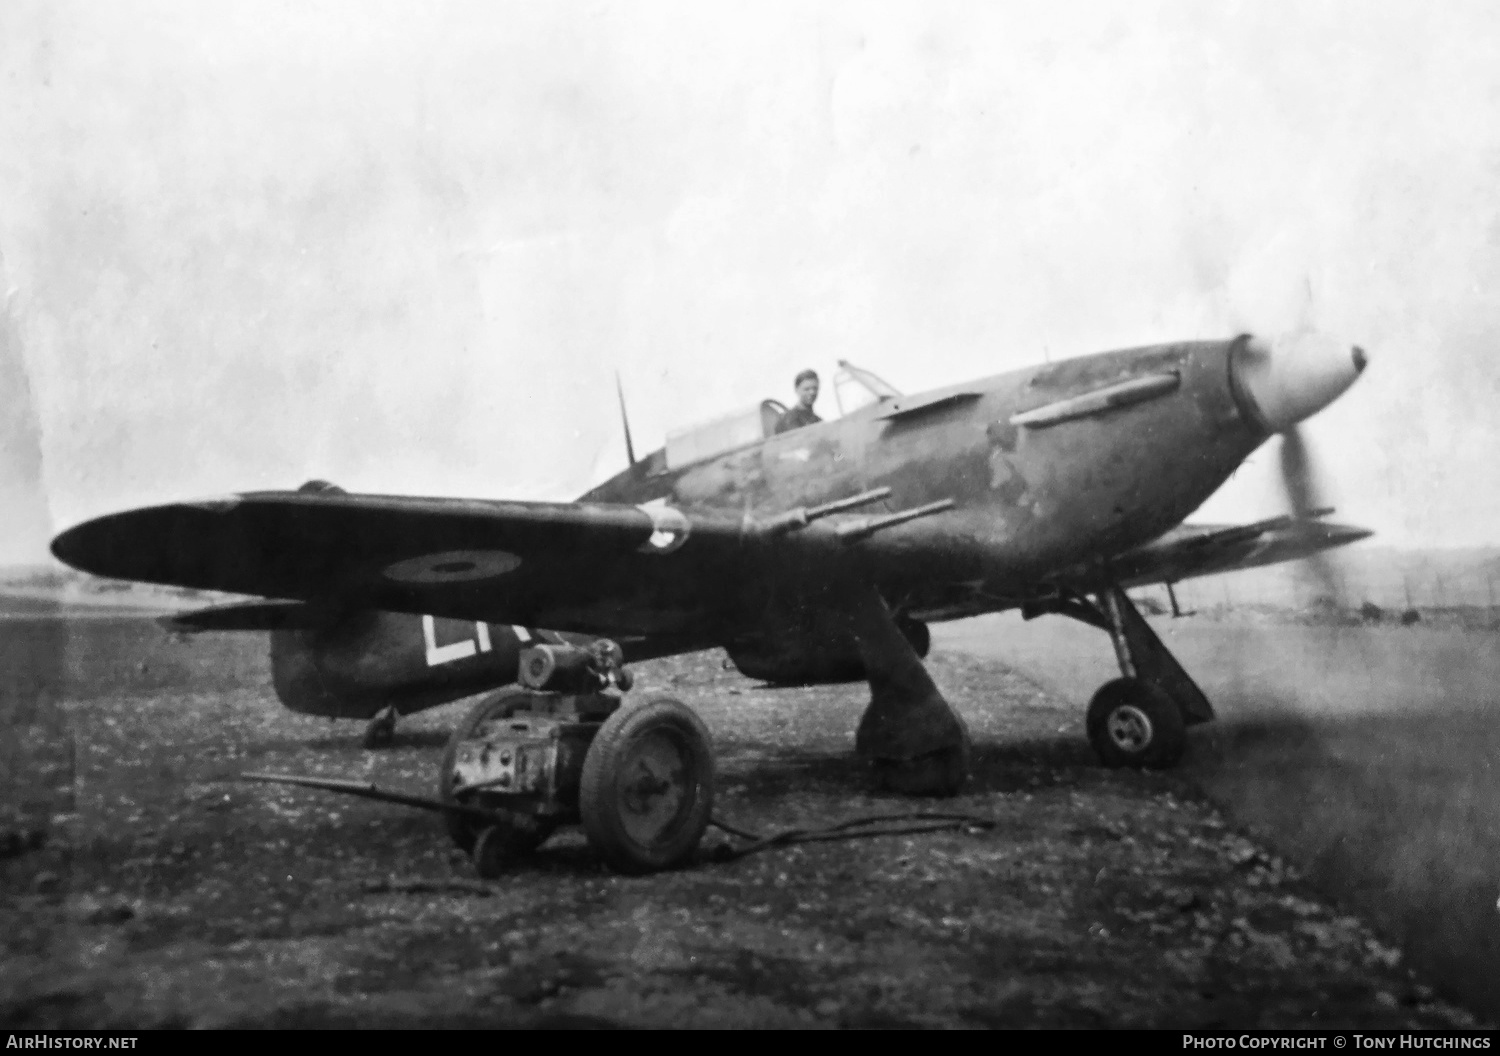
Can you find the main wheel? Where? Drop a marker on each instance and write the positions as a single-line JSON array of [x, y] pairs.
[[917, 634], [465, 831], [1133, 723], [648, 786]]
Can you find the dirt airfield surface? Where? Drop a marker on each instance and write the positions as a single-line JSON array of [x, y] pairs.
[[168, 893], [1365, 752]]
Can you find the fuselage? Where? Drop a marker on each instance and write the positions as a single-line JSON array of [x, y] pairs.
[[1048, 468], [1030, 499], [361, 661]]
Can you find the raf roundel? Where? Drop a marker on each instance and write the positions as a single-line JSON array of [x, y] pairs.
[[454, 566], [669, 529]]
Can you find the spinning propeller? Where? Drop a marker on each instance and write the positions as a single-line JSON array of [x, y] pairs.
[[1285, 381], [1299, 480]]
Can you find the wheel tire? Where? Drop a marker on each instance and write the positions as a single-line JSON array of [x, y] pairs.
[[499, 846], [647, 788], [1134, 724], [380, 734], [501, 705], [917, 634]]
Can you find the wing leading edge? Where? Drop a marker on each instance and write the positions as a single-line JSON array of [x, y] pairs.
[[590, 567], [1204, 550]]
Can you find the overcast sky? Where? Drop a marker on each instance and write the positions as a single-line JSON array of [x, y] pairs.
[[406, 246]]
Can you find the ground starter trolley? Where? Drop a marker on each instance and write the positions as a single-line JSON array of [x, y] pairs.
[[565, 747]]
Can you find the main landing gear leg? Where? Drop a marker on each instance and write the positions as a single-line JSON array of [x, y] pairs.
[[1140, 719], [917, 744], [382, 728]]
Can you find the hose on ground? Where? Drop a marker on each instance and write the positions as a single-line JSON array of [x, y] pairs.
[[865, 827]]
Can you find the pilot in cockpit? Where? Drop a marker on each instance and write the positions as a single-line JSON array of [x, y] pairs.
[[802, 414]]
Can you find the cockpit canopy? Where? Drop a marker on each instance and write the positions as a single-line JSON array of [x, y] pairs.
[[853, 388]]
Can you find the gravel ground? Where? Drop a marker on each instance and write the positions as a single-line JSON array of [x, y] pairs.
[[168, 893]]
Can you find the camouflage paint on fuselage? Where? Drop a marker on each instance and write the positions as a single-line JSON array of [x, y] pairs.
[[357, 664], [360, 662], [1029, 500]]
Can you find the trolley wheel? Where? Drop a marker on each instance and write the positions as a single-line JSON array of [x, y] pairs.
[[648, 785], [501, 705], [499, 846], [1133, 723]]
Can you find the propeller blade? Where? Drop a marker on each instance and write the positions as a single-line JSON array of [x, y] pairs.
[[1300, 480], [1297, 475]]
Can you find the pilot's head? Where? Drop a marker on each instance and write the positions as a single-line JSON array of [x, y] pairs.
[[807, 388]]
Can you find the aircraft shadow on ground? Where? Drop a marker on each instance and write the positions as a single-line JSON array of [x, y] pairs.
[[401, 739], [1030, 764], [995, 767]]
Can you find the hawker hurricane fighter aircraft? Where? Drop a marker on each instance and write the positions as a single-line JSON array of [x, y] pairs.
[[816, 555]]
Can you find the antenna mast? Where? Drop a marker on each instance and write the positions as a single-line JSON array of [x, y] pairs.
[[625, 420]]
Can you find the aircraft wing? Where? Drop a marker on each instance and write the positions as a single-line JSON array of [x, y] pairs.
[[591, 567], [1203, 550]]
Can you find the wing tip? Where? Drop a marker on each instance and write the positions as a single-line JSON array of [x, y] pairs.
[[75, 546], [1344, 534]]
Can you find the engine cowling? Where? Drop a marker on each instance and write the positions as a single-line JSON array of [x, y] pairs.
[[808, 659]]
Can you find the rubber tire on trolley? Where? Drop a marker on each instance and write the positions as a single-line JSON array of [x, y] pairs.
[[1135, 724], [647, 788], [500, 845], [523, 835]]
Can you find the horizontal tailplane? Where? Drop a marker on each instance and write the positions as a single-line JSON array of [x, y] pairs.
[[248, 616]]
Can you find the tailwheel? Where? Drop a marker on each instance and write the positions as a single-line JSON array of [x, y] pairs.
[[381, 730], [1133, 723], [502, 705], [647, 786]]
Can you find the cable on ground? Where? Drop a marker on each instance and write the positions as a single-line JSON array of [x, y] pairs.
[[865, 827]]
